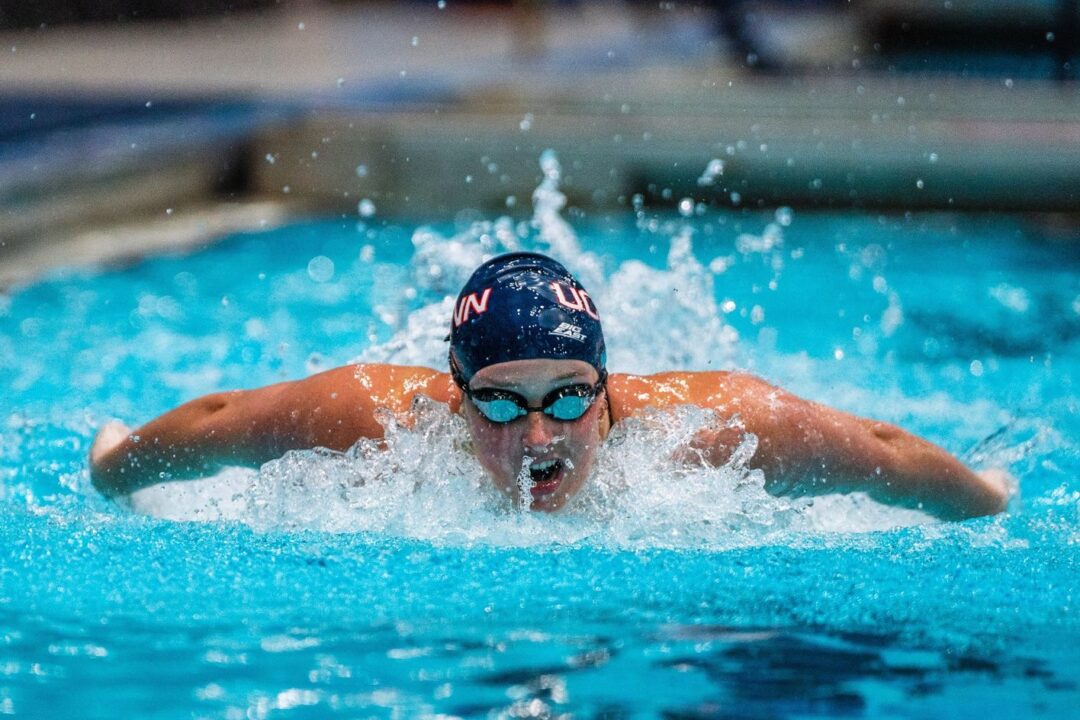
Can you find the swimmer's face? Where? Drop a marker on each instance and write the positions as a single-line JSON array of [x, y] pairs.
[[556, 455]]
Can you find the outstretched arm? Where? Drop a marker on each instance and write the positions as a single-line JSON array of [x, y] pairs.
[[809, 449], [249, 427]]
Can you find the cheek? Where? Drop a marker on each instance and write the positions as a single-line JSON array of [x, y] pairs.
[[494, 446], [583, 440]]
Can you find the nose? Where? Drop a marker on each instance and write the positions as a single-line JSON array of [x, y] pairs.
[[538, 436]]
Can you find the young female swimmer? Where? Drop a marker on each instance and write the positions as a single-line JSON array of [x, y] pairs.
[[528, 375]]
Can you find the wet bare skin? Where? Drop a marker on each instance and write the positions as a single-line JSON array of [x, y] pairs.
[[803, 448]]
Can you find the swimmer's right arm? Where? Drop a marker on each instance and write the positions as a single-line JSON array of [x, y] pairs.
[[247, 428]]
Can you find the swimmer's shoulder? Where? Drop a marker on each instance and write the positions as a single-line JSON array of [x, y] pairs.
[[382, 385], [334, 408], [717, 389]]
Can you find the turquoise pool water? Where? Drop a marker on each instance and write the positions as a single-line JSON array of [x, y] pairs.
[[300, 591]]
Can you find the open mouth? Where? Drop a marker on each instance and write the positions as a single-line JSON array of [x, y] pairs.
[[545, 476]]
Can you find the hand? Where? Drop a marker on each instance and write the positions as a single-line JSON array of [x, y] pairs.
[[109, 436], [1000, 482]]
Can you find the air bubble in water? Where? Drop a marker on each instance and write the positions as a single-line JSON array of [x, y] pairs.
[[365, 208], [320, 268], [316, 362], [686, 207], [713, 170]]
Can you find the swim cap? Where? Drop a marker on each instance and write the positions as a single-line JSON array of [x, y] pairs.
[[523, 306]]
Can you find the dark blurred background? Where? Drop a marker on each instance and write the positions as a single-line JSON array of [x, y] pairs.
[[122, 113]]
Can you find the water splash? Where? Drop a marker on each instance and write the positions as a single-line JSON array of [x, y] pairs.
[[423, 482]]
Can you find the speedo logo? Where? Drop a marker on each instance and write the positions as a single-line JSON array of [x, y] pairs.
[[567, 330]]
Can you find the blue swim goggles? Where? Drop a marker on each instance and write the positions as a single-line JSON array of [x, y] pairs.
[[564, 404]]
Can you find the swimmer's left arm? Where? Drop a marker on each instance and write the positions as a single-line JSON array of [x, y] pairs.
[[810, 449]]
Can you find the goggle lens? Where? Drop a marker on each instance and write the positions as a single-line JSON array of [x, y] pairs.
[[501, 410]]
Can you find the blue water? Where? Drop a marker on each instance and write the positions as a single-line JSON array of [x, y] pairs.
[[294, 593]]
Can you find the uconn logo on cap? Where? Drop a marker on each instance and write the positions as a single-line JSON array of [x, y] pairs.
[[471, 303], [579, 300]]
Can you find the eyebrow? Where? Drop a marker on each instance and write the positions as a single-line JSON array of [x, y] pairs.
[[517, 385]]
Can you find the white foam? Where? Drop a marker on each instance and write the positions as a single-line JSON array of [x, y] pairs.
[[424, 482]]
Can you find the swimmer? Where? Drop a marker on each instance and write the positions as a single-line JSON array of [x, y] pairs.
[[528, 374]]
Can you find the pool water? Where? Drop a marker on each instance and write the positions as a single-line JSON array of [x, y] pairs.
[[398, 584]]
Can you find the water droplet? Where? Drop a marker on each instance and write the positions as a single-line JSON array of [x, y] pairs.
[[920, 184], [168, 211], [270, 158], [933, 157], [976, 368], [1049, 37], [686, 207], [442, 4], [1008, 82], [300, 27], [340, 81], [415, 41], [838, 353], [365, 208], [149, 103], [320, 268], [33, 116], [511, 201], [713, 170], [526, 122], [783, 216], [315, 362]]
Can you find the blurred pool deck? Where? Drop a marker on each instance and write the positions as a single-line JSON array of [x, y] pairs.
[[120, 139]]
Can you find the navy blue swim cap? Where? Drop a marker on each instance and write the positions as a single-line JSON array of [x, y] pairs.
[[523, 306]]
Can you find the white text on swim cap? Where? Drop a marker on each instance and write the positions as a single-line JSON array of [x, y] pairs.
[[567, 330]]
